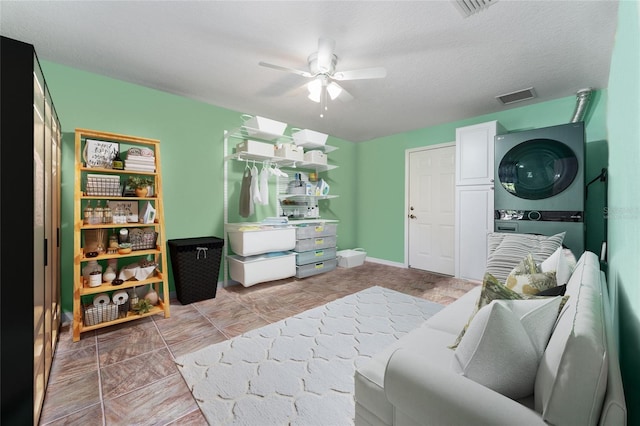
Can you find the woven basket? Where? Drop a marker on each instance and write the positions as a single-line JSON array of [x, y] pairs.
[[196, 265]]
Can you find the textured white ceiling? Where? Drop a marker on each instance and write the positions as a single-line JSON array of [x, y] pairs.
[[441, 67]]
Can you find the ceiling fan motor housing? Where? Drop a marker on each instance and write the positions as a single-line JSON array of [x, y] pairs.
[[314, 67]]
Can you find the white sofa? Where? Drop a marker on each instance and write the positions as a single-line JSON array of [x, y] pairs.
[[578, 380]]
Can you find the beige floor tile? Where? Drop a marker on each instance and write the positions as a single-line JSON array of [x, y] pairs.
[[71, 363], [230, 315], [66, 343], [134, 361], [186, 327], [158, 403], [65, 397], [242, 327], [187, 346], [89, 416], [134, 373], [140, 340], [194, 418]]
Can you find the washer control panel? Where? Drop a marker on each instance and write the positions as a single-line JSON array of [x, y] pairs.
[[540, 215]]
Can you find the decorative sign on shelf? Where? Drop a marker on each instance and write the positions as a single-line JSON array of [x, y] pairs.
[[100, 153]]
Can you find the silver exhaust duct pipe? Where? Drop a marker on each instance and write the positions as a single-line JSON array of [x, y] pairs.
[[582, 102]]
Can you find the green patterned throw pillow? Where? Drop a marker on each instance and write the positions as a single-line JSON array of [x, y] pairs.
[[527, 277]]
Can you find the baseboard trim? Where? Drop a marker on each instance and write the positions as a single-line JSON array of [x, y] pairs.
[[385, 262]]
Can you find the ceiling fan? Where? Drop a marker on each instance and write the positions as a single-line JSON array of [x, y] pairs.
[[322, 71]]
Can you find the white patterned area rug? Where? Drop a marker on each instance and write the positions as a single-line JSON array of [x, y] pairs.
[[299, 371]]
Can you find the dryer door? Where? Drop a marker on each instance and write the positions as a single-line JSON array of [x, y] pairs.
[[537, 169]]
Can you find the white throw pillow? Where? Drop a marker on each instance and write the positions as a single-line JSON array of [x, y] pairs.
[[504, 343], [559, 263], [506, 250]]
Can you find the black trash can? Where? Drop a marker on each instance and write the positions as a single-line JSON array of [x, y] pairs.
[[196, 265]]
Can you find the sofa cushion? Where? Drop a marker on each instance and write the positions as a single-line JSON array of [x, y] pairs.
[[506, 250], [454, 317], [572, 377], [369, 377], [558, 263], [504, 343]]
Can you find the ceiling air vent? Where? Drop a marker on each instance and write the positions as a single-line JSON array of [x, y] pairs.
[[469, 7], [520, 95]]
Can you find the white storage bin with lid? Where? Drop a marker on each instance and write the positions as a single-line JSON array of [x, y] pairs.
[[315, 156], [351, 258], [309, 138], [263, 128], [256, 148], [252, 270], [290, 151], [252, 239]]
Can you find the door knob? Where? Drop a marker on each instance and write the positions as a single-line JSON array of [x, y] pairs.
[[412, 216]]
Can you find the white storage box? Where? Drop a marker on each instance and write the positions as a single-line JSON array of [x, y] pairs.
[[317, 157], [351, 258], [257, 269], [290, 152], [250, 240], [309, 138], [257, 148], [263, 128]]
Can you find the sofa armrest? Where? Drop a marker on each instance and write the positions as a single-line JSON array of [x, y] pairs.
[[434, 394]]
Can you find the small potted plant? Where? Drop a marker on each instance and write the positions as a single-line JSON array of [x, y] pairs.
[[140, 184]]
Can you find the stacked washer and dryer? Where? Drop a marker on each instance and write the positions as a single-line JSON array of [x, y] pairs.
[[540, 183]]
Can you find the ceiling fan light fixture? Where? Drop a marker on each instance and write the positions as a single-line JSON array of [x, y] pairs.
[[315, 88], [334, 90]]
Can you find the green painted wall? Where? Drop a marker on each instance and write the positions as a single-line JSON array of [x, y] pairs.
[[370, 179], [191, 140], [623, 119], [381, 171]]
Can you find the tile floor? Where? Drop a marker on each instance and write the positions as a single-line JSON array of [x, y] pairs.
[[126, 375]]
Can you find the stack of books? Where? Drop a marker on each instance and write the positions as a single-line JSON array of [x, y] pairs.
[[141, 160]]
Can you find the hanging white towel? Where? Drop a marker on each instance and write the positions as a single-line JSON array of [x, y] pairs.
[[255, 185], [264, 185]]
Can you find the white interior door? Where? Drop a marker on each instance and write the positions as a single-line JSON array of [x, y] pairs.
[[431, 209]]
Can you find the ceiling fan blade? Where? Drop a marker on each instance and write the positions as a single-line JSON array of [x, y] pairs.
[[360, 74], [287, 69], [325, 53]]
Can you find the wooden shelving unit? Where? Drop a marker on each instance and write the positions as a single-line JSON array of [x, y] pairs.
[[82, 292]]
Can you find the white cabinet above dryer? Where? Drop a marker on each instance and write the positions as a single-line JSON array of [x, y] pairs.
[[475, 153]]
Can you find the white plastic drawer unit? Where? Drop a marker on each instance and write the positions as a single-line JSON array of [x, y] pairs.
[[315, 256], [257, 269], [315, 268], [253, 239], [309, 244], [314, 230]]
